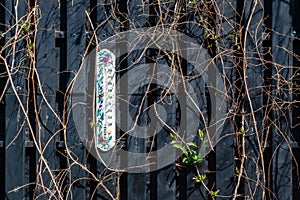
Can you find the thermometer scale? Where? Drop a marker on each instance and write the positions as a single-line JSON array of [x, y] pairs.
[[105, 100]]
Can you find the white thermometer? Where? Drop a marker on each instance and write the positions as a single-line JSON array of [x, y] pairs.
[[105, 100]]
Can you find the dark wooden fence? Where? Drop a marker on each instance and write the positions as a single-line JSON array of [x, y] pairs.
[[259, 42]]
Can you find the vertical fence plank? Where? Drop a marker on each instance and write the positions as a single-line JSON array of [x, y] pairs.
[[239, 90], [3, 81], [15, 122], [47, 68], [181, 113], [196, 115], [155, 141], [91, 24], [122, 79], [163, 180], [225, 64], [282, 27], [253, 100], [137, 183], [296, 96], [75, 48]]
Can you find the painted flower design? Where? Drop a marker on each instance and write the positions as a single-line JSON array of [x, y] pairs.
[[105, 59]]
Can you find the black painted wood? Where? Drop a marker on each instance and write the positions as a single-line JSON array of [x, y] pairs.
[[47, 124], [122, 78], [92, 162], [137, 183], [239, 91], [225, 166], [295, 118], [282, 171], [75, 47], [15, 125], [3, 81], [253, 100]]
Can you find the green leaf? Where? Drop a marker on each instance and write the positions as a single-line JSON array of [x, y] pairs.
[[214, 193], [178, 146], [173, 142], [202, 177], [199, 178], [25, 26], [172, 135], [201, 134], [192, 144], [186, 153], [242, 131], [214, 37], [193, 152], [30, 46], [202, 20]]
